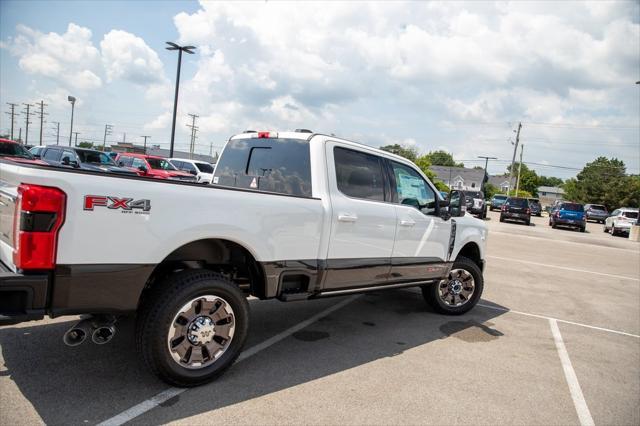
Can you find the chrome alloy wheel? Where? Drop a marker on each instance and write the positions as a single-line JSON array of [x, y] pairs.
[[457, 289], [201, 332]]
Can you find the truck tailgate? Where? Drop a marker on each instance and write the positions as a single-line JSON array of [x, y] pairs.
[[8, 196]]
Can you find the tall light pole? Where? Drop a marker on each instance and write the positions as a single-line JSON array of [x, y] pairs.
[[73, 104], [180, 49]]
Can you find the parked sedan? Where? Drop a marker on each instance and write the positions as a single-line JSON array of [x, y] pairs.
[[497, 202], [621, 220], [596, 212], [516, 208], [83, 159], [570, 215]]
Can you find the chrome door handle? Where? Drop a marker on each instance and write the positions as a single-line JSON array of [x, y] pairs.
[[347, 217], [407, 222]]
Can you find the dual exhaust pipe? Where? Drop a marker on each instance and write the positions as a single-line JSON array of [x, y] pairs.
[[101, 329]]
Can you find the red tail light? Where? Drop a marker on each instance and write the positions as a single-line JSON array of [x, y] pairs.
[[504, 208], [528, 211], [263, 134], [39, 217], [557, 214]]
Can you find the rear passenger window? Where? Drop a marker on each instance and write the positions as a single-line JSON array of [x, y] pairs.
[[266, 164], [125, 161], [52, 154], [358, 174]]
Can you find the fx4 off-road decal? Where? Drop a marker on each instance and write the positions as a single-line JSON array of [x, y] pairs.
[[125, 205]]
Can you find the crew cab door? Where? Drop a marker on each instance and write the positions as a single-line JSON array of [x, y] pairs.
[[363, 221], [422, 236]]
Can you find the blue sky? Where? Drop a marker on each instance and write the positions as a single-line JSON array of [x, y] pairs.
[[453, 76]]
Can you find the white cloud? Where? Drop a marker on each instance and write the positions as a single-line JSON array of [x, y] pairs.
[[126, 56], [68, 58]]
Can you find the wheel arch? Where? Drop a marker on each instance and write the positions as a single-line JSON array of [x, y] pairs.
[[471, 250]]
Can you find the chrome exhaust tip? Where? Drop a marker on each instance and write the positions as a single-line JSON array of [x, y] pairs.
[[102, 335], [74, 336]]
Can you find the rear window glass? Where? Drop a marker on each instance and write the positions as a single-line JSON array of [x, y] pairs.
[[534, 200], [204, 167], [597, 207], [11, 149], [573, 207], [499, 197], [266, 164], [518, 202], [630, 215], [94, 157]]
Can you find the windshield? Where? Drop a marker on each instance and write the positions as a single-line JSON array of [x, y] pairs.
[[160, 164], [474, 194], [573, 207], [204, 167], [630, 215], [500, 197], [10, 149], [94, 157]]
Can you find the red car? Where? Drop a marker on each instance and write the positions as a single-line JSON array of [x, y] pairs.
[[14, 151], [152, 166]]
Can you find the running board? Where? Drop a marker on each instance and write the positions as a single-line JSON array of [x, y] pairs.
[[373, 288]]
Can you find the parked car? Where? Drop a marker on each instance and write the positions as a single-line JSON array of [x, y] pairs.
[[475, 203], [535, 206], [317, 217], [621, 220], [36, 150], [153, 166], [14, 151], [569, 215], [83, 159], [516, 208], [201, 170], [596, 212], [497, 201]]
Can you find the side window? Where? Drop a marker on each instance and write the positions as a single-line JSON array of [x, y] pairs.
[[52, 154], [615, 213], [187, 167], [178, 164], [126, 161], [413, 190], [68, 155], [137, 162], [359, 175]]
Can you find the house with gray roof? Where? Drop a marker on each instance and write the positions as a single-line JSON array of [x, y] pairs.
[[549, 194], [460, 177], [502, 182]]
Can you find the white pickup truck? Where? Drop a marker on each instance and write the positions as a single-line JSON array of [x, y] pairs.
[[293, 215]]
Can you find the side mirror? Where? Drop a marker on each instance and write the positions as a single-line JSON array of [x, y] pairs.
[[143, 169], [193, 172], [457, 204], [121, 163], [66, 161]]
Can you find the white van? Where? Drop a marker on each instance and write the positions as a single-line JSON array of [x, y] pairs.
[[201, 170]]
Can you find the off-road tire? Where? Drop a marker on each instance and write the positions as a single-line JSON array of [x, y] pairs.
[[163, 303], [431, 292]]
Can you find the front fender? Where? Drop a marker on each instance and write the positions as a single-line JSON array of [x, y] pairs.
[[469, 230]]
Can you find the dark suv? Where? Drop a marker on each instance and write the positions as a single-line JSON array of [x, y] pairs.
[[84, 159], [536, 208], [596, 212], [516, 208]]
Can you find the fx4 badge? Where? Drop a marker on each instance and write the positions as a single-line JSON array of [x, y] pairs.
[[126, 205]]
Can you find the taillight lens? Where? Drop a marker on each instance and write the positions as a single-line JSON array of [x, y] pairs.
[[39, 217], [504, 208], [528, 211]]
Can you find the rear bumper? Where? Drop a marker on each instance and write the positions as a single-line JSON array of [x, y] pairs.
[[569, 222], [591, 216], [515, 216], [22, 297]]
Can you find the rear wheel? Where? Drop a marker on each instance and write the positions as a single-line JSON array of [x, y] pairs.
[[501, 218], [459, 292], [554, 226], [193, 328], [528, 222]]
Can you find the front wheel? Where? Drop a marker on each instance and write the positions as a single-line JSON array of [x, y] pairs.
[[459, 292], [192, 327]]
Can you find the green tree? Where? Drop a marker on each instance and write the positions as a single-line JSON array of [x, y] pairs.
[[424, 164], [520, 193], [85, 144], [528, 178], [408, 152], [604, 181], [490, 190], [549, 181], [442, 158]]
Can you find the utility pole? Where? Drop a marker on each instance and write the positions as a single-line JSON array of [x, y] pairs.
[[42, 114], [513, 160], [210, 149], [124, 137], [57, 123], [20, 135], [27, 122], [76, 140], [519, 169], [12, 114], [486, 163], [145, 142], [107, 131], [194, 129]]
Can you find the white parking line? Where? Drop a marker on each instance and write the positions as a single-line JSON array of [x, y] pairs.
[[632, 250], [167, 394], [570, 375], [593, 327], [547, 265]]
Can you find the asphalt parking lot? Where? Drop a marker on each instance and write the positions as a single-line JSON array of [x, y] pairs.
[[555, 340]]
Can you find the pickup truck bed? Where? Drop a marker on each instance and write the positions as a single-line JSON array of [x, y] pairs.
[[290, 215]]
